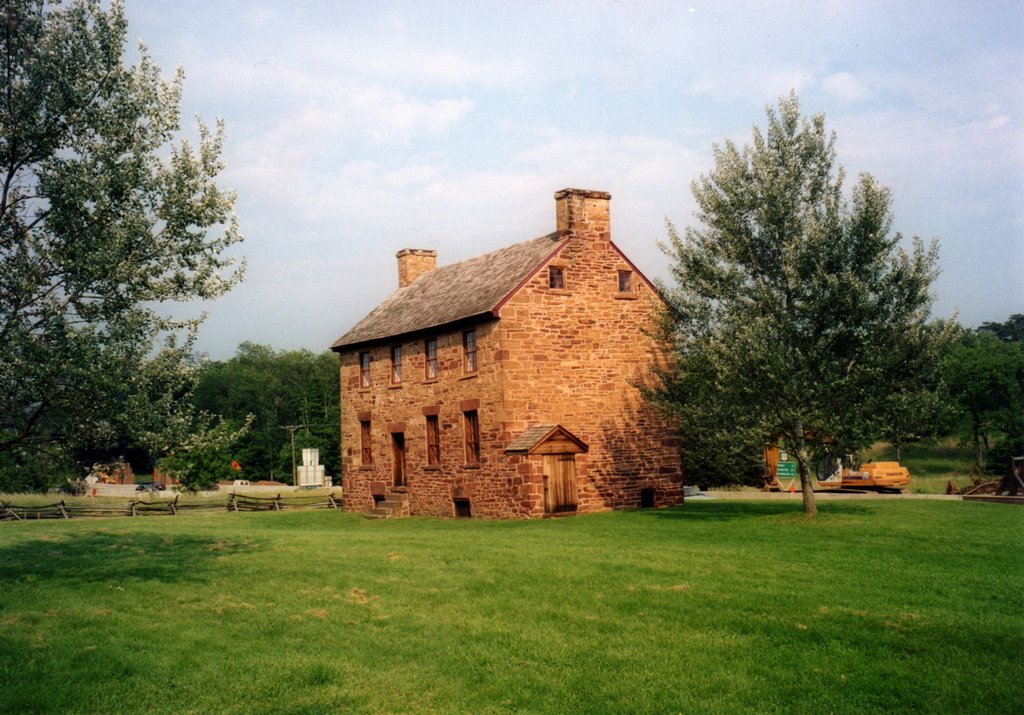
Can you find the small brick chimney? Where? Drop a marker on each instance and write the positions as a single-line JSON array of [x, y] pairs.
[[414, 262], [583, 213]]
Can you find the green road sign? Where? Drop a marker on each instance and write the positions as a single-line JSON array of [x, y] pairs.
[[786, 469]]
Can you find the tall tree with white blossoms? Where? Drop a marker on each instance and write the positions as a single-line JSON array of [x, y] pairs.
[[104, 215], [794, 313]]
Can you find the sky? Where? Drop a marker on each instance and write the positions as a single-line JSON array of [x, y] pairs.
[[357, 129]]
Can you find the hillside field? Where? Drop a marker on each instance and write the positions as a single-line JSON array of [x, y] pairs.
[[714, 607]]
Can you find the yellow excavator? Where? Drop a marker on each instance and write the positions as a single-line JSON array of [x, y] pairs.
[[832, 474]]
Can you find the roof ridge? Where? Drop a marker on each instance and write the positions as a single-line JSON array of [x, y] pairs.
[[451, 293]]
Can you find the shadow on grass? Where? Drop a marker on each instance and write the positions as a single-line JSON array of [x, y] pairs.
[[97, 557], [712, 510]]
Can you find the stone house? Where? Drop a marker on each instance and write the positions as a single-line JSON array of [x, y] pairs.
[[506, 385]]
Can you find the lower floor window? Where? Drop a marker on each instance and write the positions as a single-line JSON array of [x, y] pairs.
[[472, 429]]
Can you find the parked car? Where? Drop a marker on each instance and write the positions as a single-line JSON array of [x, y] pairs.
[[150, 487]]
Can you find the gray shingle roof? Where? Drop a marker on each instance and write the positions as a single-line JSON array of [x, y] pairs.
[[529, 439], [533, 436], [451, 293]]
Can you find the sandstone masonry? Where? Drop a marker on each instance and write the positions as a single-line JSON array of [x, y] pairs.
[[507, 385]]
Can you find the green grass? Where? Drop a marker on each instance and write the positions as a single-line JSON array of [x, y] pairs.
[[716, 607], [932, 463]]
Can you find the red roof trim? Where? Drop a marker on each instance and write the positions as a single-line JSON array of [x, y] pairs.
[[496, 310], [636, 270]]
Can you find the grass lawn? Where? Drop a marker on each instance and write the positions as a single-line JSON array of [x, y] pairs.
[[716, 607]]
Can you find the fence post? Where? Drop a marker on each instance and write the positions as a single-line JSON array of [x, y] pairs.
[[277, 502], [174, 505], [331, 504], [232, 502], [63, 511]]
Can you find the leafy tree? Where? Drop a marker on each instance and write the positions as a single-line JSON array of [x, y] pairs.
[[278, 388], [103, 217], [794, 312], [984, 372], [204, 458]]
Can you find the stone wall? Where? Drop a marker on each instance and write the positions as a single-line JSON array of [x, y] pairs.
[[492, 487], [577, 357]]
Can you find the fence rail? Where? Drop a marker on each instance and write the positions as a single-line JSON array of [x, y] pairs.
[[171, 507]]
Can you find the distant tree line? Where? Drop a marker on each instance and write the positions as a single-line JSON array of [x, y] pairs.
[[281, 393]]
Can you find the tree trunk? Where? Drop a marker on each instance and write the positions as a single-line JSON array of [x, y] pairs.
[[803, 459]]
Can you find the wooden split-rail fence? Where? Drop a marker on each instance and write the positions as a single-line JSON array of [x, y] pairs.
[[170, 507]]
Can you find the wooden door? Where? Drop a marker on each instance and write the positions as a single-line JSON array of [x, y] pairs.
[[559, 483]]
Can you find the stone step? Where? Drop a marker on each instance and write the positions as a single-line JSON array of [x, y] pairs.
[[390, 507]]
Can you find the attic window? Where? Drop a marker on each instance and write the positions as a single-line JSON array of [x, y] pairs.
[[625, 281], [556, 278]]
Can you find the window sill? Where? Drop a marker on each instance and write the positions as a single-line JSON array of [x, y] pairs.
[[626, 296], [431, 380], [559, 291], [395, 386], [432, 468], [365, 467], [470, 376], [471, 466]]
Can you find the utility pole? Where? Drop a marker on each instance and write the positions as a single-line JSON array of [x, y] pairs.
[[291, 430]]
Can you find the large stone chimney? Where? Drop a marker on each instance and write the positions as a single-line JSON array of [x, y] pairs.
[[414, 262], [582, 213]]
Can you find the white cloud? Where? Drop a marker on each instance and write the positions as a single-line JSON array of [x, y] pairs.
[[763, 81], [846, 87], [388, 116]]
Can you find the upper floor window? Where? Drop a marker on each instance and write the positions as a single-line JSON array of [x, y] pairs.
[[430, 351], [396, 364], [364, 369], [469, 350], [472, 430], [556, 278], [625, 281]]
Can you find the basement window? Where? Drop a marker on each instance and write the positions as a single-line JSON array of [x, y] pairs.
[[462, 510], [647, 498]]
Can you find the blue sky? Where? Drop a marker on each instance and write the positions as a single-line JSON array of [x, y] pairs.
[[356, 129]]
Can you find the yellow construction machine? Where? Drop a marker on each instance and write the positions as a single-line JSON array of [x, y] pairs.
[[782, 473]]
